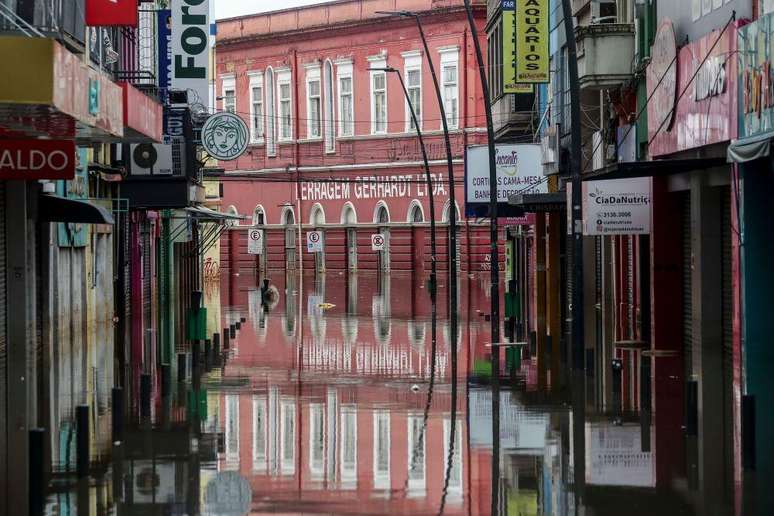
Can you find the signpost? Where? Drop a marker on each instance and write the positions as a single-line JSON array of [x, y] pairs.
[[314, 242], [255, 241], [377, 242], [617, 207]]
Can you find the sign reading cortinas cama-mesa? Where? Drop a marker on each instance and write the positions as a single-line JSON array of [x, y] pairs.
[[519, 171]]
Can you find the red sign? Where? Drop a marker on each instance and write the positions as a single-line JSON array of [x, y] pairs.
[[37, 159], [103, 13], [142, 114]]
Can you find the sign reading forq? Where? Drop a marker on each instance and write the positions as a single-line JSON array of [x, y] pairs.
[[37, 159]]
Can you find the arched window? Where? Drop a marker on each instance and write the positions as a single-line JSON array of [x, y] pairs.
[[348, 215], [416, 214], [382, 214], [317, 216], [446, 212], [288, 217], [271, 147], [259, 216], [330, 142]]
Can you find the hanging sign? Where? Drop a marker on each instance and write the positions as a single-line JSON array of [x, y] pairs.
[[617, 207], [314, 242], [224, 136], [191, 51], [509, 50], [377, 242], [37, 159], [532, 41], [104, 13], [255, 241]]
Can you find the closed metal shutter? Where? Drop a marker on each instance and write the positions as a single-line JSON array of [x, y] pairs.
[[3, 406], [727, 300], [147, 314], [687, 285]]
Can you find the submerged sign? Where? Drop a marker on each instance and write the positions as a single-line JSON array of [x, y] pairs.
[[532, 64], [617, 207]]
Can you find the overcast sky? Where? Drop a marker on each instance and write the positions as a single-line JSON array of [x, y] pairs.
[[229, 8]]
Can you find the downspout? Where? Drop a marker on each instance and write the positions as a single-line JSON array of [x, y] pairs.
[[297, 153]]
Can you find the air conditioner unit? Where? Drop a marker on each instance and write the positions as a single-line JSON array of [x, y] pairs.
[[151, 159]]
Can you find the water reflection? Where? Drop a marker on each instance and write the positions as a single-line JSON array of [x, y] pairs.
[[323, 403]]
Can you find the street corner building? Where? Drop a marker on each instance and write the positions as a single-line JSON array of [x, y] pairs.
[[333, 147]]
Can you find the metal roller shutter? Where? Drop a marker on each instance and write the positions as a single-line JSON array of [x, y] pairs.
[[687, 286], [3, 407], [728, 330]]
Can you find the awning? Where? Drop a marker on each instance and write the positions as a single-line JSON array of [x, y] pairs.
[[749, 149], [54, 208], [653, 168], [540, 203], [205, 214]]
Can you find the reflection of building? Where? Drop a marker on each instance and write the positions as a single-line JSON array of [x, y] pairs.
[[332, 148]]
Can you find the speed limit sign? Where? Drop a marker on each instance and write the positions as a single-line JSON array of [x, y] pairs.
[[255, 241], [377, 242], [314, 242]]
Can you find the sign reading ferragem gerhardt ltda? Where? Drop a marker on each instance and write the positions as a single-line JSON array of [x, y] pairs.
[[37, 159], [532, 41], [617, 207]]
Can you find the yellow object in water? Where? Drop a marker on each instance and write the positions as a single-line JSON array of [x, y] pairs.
[[326, 306]]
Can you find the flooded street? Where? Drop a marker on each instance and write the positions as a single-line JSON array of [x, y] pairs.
[[322, 403]]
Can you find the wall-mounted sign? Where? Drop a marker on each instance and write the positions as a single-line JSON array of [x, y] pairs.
[[190, 51], [164, 50], [519, 171], [103, 13], [37, 159], [314, 242], [532, 36], [509, 50], [662, 78], [73, 234], [617, 207], [255, 241], [756, 82], [710, 79], [225, 136], [377, 242]]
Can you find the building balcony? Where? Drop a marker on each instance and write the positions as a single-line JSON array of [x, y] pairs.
[[605, 54], [512, 115]]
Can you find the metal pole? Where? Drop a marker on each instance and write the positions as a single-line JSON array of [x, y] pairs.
[[495, 268]]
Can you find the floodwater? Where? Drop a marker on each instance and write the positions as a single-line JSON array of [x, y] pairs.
[[323, 404]]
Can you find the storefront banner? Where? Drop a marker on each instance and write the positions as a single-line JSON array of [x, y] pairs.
[[37, 159], [190, 51], [509, 50], [104, 13], [617, 207], [756, 77], [519, 171], [532, 35]]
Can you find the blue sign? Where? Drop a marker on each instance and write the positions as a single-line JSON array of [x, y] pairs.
[[72, 234], [164, 28]]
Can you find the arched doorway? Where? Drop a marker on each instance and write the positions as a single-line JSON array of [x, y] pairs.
[[382, 219], [416, 218], [289, 222], [349, 220], [317, 220]]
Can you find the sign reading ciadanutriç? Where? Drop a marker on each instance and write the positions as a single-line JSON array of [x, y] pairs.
[[519, 171], [617, 207]]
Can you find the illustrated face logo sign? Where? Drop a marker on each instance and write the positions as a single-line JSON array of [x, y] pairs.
[[224, 136]]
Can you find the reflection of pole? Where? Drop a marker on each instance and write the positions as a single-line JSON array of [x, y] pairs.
[[495, 266]]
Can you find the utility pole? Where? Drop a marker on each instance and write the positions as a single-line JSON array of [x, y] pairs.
[[495, 268]]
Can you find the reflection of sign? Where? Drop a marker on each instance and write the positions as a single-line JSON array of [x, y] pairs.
[[519, 171], [532, 41], [227, 493], [224, 136], [615, 456], [377, 242], [190, 51], [314, 242], [103, 13], [663, 68], [617, 207], [255, 241], [37, 159]]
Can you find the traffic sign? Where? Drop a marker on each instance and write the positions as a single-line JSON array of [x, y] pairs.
[[255, 241], [377, 242], [314, 242]]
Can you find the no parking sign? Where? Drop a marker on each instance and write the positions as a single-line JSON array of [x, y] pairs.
[[377, 242], [314, 242], [255, 241]]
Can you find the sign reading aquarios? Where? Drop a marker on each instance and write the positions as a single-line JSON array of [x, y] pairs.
[[509, 50], [532, 41]]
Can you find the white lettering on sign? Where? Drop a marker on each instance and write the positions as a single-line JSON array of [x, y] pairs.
[[711, 79], [34, 160], [373, 187]]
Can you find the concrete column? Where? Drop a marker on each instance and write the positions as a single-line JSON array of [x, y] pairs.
[[19, 393], [707, 356]]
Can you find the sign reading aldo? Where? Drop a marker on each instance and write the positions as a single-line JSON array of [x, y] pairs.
[[377, 242], [190, 50], [314, 242], [37, 159], [617, 207], [255, 241]]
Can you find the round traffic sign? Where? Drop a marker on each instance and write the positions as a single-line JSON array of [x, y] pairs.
[[255, 235], [378, 240], [314, 237]]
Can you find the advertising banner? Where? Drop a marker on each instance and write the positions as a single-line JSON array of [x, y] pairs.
[[519, 171], [104, 13], [532, 63], [509, 50], [756, 77], [617, 207], [255, 241], [37, 159], [190, 51]]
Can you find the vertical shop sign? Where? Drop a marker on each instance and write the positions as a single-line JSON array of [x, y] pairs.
[[532, 41], [190, 51], [509, 50]]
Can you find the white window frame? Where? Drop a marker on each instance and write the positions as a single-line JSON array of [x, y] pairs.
[[381, 477], [256, 81], [417, 485], [227, 83], [259, 434], [348, 432], [344, 70], [283, 77], [378, 62], [329, 106], [312, 75], [450, 56], [412, 62], [270, 134]]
